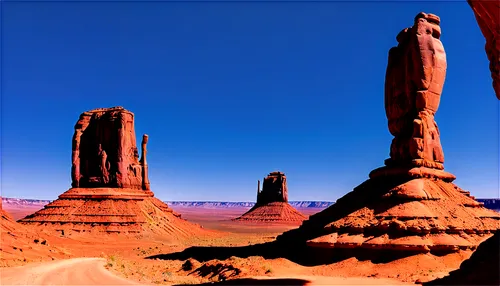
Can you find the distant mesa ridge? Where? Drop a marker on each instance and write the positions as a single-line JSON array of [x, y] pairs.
[[295, 204], [493, 204]]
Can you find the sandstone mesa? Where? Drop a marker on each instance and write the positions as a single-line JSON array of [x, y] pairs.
[[110, 186]]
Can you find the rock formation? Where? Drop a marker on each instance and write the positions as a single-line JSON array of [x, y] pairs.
[[410, 205], [482, 268], [105, 153], [272, 202], [274, 189], [110, 186], [488, 17]]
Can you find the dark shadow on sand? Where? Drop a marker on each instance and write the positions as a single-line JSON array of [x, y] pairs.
[[203, 253], [300, 254], [260, 282], [291, 245]]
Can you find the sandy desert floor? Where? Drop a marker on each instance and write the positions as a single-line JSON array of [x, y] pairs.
[[154, 260]]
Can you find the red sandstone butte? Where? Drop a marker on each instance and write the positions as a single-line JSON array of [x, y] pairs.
[[104, 152], [488, 17], [272, 202], [410, 205], [110, 186]]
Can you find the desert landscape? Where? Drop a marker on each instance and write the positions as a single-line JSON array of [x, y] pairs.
[[407, 223]]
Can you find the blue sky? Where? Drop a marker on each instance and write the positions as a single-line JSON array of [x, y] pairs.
[[229, 92]]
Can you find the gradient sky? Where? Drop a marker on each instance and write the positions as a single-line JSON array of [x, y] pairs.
[[229, 92]]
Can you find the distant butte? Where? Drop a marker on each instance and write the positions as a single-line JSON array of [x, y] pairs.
[[272, 202], [410, 205], [110, 186]]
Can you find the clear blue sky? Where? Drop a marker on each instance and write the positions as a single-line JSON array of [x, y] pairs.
[[229, 92]]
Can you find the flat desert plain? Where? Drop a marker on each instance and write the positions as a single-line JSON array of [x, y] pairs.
[[155, 260]]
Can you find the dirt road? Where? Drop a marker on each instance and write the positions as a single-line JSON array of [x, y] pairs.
[[77, 271]]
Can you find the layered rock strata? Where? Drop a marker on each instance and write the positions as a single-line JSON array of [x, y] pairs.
[[482, 268], [19, 244], [411, 203], [272, 202]]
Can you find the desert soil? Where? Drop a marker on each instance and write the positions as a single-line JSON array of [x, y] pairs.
[[131, 258], [76, 271]]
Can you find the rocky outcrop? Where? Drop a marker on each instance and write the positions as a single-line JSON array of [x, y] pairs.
[[272, 202], [488, 17], [482, 268], [105, 153], [274, 189], [414, 81], [110, 187], [410, 205]]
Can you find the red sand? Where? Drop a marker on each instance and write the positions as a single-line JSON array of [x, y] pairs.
[[126, 257], [20, 244]]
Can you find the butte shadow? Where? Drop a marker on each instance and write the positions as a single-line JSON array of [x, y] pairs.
[[410, 206], [110, 186], [263, 282]]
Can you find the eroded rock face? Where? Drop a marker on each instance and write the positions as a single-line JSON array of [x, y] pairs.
[[414, 81], [482, 268], [104, 152], [410, 205], [488, 17], [274, 189]]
